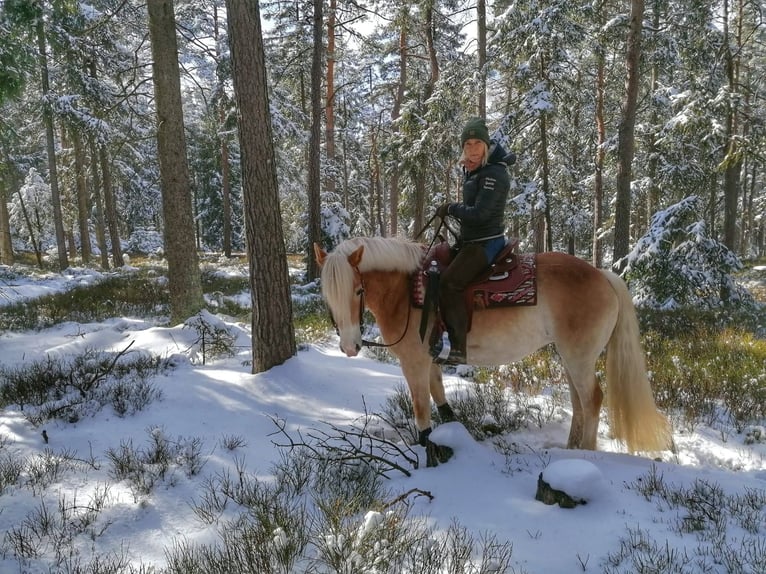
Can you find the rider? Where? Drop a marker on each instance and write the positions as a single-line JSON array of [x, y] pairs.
[[482, 230]]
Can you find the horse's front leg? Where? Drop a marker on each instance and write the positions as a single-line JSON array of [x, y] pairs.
[[419, 378]]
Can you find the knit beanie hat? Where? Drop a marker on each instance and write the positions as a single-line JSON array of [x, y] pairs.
[[475, 128]]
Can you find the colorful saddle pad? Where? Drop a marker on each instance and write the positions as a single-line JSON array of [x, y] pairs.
[[510, 280]]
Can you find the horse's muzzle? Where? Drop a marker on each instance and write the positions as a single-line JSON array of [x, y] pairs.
[[352, 352]]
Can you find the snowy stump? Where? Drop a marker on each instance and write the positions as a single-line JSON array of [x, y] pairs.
[[568, 483], [549, 495]]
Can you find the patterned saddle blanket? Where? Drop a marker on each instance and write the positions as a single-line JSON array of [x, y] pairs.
[[510, 280]]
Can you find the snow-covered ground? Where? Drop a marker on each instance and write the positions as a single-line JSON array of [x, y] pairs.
[[482, 489]]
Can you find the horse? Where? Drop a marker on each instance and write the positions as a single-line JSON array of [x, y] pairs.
[[582, 310]]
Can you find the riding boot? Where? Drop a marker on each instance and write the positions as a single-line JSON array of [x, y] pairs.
[[468, 263], [457, 337]]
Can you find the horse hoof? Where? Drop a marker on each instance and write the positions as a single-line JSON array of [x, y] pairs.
[[437, 453]]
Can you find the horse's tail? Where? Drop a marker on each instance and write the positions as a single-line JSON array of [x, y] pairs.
[[633, 415]]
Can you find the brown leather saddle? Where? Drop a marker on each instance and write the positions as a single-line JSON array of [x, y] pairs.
[[511, 279]]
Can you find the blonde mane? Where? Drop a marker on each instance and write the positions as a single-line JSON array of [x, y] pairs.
[[380, 254]]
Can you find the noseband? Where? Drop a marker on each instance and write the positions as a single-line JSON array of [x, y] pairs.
[[365, 342]]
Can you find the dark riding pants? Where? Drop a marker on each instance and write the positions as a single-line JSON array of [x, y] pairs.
[[468, 263]]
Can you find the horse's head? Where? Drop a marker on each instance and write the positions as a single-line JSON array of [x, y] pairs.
[[342, 289]]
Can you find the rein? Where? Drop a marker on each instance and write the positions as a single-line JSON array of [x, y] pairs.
[[365, 342]]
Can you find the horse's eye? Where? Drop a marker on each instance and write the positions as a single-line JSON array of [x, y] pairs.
[[360, 291]]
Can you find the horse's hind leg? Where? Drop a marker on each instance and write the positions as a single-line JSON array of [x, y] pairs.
[[575, 429], [586, 398]]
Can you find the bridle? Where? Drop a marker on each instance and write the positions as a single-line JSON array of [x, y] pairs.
[[360, 293]]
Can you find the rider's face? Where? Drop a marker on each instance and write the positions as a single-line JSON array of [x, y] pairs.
[[474, 149]]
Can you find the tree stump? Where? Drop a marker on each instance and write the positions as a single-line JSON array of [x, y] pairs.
[[549, 495]]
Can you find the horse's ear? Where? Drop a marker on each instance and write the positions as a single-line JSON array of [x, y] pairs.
[[356, 257], [320, 254]]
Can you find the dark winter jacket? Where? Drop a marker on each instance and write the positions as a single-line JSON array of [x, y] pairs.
[[485, 191]]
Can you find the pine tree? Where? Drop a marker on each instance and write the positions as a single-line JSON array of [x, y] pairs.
[[273, 339], [180, 249]]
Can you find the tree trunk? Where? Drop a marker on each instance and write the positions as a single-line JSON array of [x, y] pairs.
[[733, 159], [545, 241], [225, 167], [6, 245], [273, 335], [420, 173], [376, 183], [626, 134], [653, 199], [58, 219], [546, 170], [315, 144], [183, 263], [83, 205], [393, 227], [110, 203], [98, 203], [598, 180], [329, 107], [481, 53]]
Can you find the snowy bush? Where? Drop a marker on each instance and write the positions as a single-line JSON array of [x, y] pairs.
[[677, 264], [334, 223], [146, 240], [30, 214], [214, 338]]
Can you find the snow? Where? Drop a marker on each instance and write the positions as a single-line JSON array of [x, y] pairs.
[[483, 488], [580, 479]]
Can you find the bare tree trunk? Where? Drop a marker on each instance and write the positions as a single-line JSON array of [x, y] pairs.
[[225, 167], [58, 219], [626, 135], [546, 174], [273, 335], [421, 173], [110, 204], [315, 144], [376, 183], [183, 263], [733, 159], [6, 245], [329, 108], [395, 113], [653, 199], [481, 52], [598, 185], [98, 202], [83, 205], [547, 240]]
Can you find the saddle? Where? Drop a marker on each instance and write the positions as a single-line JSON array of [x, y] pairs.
[[511, 279]]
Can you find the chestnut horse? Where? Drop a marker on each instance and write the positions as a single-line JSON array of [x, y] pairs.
[[580, 309]]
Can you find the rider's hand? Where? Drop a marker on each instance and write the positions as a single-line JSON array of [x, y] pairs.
[[443, 210]]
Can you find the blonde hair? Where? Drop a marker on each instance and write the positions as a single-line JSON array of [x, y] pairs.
[[484, 157]]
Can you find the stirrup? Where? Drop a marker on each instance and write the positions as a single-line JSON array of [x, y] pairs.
[[454, 357], [440, 351]]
